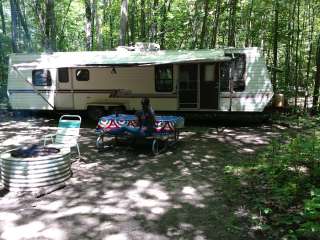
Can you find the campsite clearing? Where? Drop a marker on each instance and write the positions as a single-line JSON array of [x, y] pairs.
[[128, 193]]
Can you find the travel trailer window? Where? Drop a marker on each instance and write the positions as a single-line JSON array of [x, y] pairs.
[[41, 77], [164, 78], [63, 75], [82, 74], [233, 71]]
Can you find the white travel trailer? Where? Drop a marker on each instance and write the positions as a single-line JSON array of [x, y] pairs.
[[219, 80]]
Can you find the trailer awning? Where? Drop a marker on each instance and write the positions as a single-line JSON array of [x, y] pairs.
[[115, 58]]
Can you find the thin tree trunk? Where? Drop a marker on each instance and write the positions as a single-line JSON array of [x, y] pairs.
[[232, 23], [164, 12], [142, 21], [216, 24], [23, 24], [14, 26], [296, 77], [110, 26], [204, 24], [249, 23], [51, 34], [316, 80], [60, 34], [275, 45], [311, 24], [3, 23], [123, 22], [3, 27], [93, 23], [194, 24], [99, 32], [155, 20], [132, 21], [289, 44], [88, 27]]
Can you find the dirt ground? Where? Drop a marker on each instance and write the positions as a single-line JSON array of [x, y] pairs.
[[128, 193]]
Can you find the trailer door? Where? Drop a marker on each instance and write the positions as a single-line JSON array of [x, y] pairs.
[[64, 96], [188, 86], [209, 86]]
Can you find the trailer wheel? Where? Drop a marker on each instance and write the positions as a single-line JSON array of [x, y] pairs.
[[95, 112]]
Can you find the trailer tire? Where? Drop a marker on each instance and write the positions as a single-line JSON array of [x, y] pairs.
[[95, 112]]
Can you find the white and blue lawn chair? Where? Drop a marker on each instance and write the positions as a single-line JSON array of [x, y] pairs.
[[67, 133]]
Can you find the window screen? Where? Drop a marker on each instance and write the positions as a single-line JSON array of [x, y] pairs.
[[41, 77], [164, 78], [63, 75], [82, 74]]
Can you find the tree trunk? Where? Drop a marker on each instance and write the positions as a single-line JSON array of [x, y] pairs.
[[311, 24], [249, 23], [88, 28], [123, 22], [23, 24], [316, 80], [110, 26], [164, 10], [154, 27], [14, 26], [3, 27], [60, 34], [99, 32], [3, 23], [132, 21], [204, 24], [142, 21], [296, 77], [50, 27], [216, 24], [194, 21], [288, 73], [275, 46], [232, 23], [93, 22]]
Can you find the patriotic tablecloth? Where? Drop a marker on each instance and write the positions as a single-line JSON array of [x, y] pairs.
[[163, 125]]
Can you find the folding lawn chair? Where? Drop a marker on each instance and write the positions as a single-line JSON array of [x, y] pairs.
[[67, 134]]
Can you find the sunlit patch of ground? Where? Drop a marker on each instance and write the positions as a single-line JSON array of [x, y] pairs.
[[126, 193]]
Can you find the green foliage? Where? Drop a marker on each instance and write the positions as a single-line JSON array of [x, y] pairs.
[[286, 184]]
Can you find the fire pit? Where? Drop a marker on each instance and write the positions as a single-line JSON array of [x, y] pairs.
[[32, 167]]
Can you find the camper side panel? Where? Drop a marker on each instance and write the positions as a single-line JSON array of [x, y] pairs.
[[119, 86], [258, 88], [20, 86]]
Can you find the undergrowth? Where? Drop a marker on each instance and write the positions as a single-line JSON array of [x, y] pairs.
[[285, 184]]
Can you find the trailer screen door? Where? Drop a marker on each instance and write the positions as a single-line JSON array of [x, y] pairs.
[[188, 86], [209, 86]]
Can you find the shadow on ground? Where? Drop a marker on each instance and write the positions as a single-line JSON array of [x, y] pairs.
[[127, 193]]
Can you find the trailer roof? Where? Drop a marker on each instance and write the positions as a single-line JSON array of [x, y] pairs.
[[112, 58]]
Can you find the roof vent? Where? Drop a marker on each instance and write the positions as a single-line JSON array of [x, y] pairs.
[[140, 47], [146, 46]]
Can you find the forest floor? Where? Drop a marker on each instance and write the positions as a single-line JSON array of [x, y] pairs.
[[128, 193]]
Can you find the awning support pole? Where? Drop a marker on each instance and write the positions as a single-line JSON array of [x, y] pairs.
[[33, 87]]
